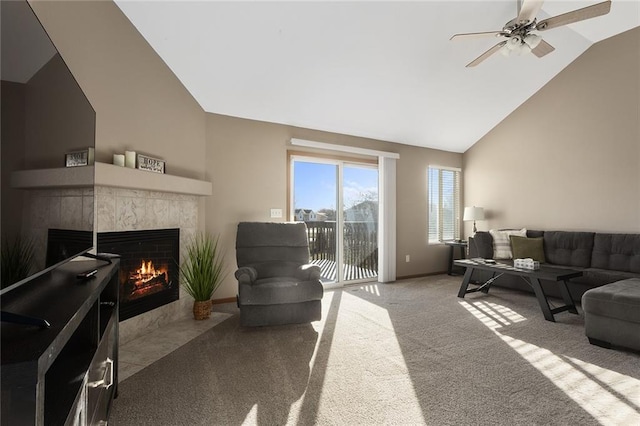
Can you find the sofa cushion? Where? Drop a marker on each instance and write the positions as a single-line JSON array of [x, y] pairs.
[[481, 245], [619, 252], [523, 248], [597, 276], [568, 248], [619, 300], [534, 234], [501, 242]]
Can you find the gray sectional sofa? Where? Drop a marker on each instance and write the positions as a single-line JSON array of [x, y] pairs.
[[603, 258]]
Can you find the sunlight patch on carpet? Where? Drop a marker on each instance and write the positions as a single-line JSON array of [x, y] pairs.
[[611, 398], [252, 416], [625, 386], [371, 288], [353, 366]]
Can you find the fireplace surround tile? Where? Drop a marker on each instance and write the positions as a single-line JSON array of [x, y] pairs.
[[130, 213], [106, 217], [184, 213], [69, 208], [70, 211], [186, 236], [87, 209], [106, 190], [150, 210], [173, 215], [53, 207], [157, 213], [133, 193]]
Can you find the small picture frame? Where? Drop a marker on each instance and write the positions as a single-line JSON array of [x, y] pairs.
[[84, 157], [150, 164]]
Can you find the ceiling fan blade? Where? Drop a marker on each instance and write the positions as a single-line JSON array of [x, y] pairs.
[[475, 35], [528, 10], [575, 16], [543, 48], [486, 54]]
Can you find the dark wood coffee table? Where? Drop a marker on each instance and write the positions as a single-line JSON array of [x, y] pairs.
[[532, 277]]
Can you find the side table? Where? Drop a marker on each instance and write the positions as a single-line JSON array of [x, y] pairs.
[[462, 245]]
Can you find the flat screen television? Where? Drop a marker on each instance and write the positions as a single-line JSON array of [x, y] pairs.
[[45, 115]]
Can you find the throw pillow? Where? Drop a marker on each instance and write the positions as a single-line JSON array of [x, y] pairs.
[[501, 243], [523, 248]]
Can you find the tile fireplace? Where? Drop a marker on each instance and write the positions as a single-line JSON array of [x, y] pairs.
[[148, 267]]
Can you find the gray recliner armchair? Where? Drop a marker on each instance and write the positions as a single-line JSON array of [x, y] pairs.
[[276, 283]]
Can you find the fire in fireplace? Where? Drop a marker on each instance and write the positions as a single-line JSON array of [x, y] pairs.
[[148, 267], [147, 280]]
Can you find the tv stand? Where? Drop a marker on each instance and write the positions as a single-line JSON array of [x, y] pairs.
[[66, 373], [23, 319], [100, 256]]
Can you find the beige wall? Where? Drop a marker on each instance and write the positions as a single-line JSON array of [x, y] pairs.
[[247, 163], [140, 104], [59, 119], [569, 157]]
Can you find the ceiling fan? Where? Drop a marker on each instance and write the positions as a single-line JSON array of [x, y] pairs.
[[518, 34]]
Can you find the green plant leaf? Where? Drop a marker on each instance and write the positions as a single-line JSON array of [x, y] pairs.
[[17, 259], [203, 270]]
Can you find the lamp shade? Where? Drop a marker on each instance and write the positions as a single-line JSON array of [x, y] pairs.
[[473, 213]]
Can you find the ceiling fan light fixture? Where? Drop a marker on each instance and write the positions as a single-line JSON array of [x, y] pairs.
[[532, 40], [524, 49], [515, 46], [514, 43]]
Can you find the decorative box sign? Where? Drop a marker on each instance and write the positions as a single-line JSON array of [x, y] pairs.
[[84, 157], [150, 164]]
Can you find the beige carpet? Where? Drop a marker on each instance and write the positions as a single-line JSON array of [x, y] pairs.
[[404, 353]]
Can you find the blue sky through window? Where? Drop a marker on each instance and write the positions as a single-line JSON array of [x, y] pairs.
[[315, 185]]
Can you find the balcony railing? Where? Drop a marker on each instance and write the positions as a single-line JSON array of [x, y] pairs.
[[360, 248]]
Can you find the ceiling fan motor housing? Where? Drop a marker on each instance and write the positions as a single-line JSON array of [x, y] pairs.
[[513, 28]]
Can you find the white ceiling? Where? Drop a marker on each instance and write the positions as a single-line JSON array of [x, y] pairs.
[[383, 70]]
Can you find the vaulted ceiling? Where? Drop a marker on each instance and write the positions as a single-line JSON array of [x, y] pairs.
[[384, 70]]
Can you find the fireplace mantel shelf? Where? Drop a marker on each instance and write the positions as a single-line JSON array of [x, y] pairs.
[[108, 175]]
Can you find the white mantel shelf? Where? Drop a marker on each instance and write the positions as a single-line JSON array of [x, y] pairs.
[[108, 175]]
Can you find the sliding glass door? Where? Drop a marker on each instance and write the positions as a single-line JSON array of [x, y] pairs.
[[315, 199], [359, 222], [338, 201]]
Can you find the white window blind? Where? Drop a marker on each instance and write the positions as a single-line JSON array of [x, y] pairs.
[[444, 204]]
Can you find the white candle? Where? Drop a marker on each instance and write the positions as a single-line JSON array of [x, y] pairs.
[[118, 160], [130, 159]]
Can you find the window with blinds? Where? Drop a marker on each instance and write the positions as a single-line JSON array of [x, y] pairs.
[[444, 204]]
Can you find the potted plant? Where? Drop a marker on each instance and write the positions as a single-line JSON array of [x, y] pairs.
[[17, 258], [202, 272]]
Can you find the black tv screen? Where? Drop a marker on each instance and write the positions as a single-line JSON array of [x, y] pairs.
[[45, 115]]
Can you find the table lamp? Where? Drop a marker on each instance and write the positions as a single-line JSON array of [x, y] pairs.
[[473, 213]]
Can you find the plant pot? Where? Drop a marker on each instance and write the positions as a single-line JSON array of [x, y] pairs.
[[202, 309]]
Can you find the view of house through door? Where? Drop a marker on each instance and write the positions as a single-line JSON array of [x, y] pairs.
[[338, 200]]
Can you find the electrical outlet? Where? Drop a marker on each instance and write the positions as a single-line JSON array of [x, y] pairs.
[[275, 213], [407, 258]]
